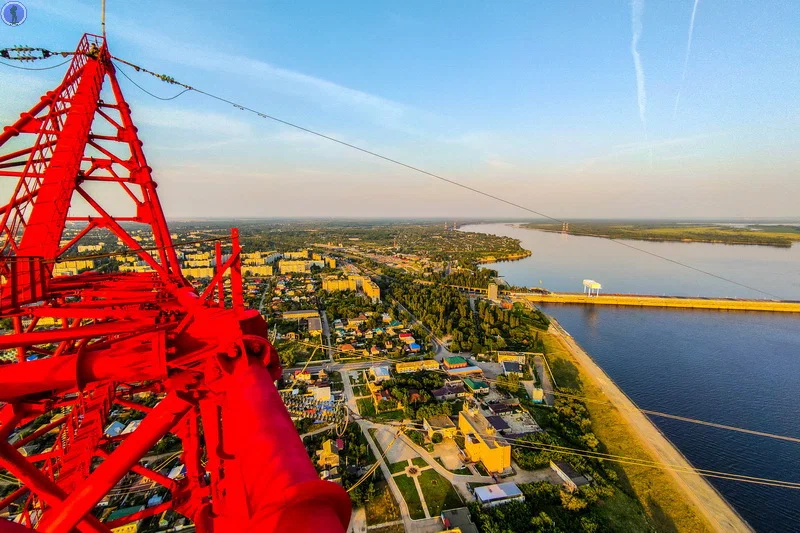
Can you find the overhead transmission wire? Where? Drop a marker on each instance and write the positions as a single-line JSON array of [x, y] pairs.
[[188, 88], [310, 131], [665, 415], [633, 461], [379, 359], [35, 68], [377, 464]]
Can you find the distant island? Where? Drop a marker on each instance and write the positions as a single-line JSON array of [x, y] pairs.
[[763, 235]]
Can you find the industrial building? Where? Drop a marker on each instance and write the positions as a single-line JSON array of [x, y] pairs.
[[491, 495], [572, 479], [416, 366]]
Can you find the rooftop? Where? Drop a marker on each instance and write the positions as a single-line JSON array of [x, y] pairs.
[[123, 512], [475, 384], [481, 427], [459, 518], [465, 370], [501, 491], [440, 421], [455, 360]]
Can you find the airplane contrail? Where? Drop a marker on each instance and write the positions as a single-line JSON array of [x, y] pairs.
[[686, 59], [637, 8]]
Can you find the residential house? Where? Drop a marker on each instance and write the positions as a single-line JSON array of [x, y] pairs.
[[512, 368], [380, 373], [450, 391], [476, 386]]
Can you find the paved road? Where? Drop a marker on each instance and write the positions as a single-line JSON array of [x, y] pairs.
[[707, 500], [326, 331], [365, 426]]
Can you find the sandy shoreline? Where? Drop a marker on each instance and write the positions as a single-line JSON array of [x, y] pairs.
[[710, 503]]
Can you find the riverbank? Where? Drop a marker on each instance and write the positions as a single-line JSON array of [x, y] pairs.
[[673, 501], [507, 257], [678, 233]]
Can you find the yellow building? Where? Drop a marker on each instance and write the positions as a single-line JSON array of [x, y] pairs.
[[302, 313], [144, 267], [330, 262], [201, 272], [328, 455], [302, 267], [258, 270], [372, 290], [194, 263], [440, 424], [480, 442], [300, 254], [199, 256], [333, 284], [70, 268], [511, 358], [90, 247], [416, 366], [252, 258]]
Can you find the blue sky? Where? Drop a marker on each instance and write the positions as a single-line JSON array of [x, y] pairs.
[[535, 101]]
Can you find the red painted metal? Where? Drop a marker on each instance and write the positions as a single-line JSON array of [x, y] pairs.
[[86, 344]]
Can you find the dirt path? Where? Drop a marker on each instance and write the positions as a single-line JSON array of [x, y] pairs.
[[706, 499]]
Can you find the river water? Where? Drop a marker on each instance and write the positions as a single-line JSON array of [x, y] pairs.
[[734, 368]]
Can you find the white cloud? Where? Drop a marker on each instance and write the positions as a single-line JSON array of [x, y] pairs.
[[637, 9], [686, 59]]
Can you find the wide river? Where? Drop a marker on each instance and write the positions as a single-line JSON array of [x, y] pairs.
[[734, 368]]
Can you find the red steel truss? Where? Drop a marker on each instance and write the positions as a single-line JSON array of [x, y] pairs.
[[120, 335]]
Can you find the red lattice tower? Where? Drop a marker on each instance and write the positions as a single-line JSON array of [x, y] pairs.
[[120, 334]]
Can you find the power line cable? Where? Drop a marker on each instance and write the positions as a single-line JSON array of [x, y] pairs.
[[171, 80], [148, 92], [34, 68], [587, 454]]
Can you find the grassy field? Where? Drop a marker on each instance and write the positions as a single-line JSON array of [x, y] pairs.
[[399, 466], [365, 406], [782, 236], [439, 493], [665, 506], [390, 416], [420, 462], [411, 496], [382, 507]]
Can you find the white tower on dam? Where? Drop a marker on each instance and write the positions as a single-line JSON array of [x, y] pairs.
[[591, 285]]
